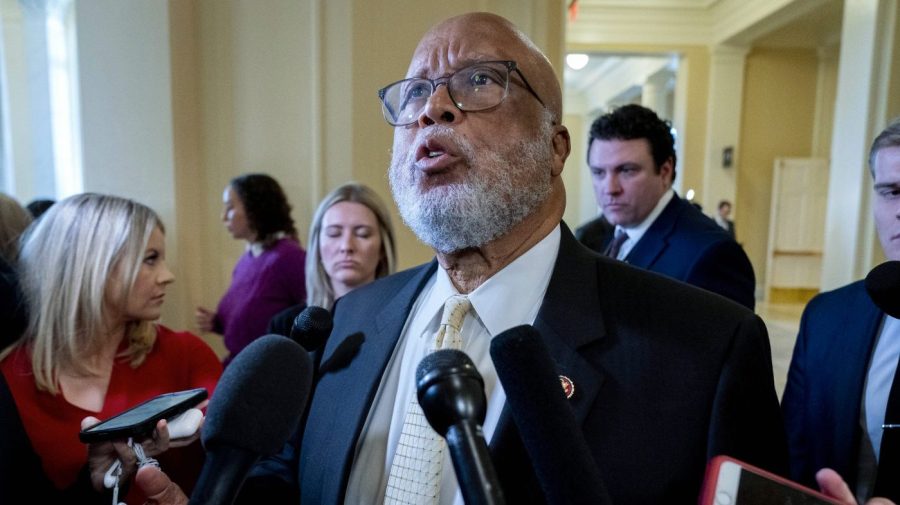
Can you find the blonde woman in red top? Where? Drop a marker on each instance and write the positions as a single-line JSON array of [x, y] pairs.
[[94, 274]]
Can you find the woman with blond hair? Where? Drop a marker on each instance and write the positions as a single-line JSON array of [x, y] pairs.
[[351, 243], [94, 275]]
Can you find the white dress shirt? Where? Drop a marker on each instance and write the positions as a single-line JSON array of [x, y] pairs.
[[511, 297], [882, 368], [636, 232]]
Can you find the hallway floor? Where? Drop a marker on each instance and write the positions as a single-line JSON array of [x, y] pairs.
[[782, 321]]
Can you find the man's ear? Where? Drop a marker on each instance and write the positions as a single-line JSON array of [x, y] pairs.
[[562, 146], [667, 170]]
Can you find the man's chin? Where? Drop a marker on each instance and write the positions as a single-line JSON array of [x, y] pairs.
[[615, 219]]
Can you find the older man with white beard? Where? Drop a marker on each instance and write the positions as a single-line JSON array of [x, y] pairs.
[[661, 376]]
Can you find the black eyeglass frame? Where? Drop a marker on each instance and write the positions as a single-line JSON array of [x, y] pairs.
[[510, 65]]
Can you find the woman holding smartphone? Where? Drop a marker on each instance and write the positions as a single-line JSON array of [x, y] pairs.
[[94, 274]]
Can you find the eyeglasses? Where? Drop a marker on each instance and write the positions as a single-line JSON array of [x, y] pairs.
[[477, 87]]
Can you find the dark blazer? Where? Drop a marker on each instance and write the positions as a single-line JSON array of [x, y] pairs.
[[821, 401], [687, 245], [730, 229], [22, 477], [666, 377]]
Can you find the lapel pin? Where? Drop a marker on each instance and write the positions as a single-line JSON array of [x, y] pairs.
[[568, 386]]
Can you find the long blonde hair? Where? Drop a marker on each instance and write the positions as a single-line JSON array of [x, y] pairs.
[[318, 284], [67, 262]]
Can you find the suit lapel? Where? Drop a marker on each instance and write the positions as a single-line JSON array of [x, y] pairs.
[[864, 320], [345, 396], [656, 238], [388, 326], [569, 320]]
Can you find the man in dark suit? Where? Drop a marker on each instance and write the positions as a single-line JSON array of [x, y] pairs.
[[665, 375], [657, 394], [723, 217], [845, 359], [632, 159]]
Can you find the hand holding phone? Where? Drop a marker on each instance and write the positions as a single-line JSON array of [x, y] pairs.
[[732, 482], [140, 420]]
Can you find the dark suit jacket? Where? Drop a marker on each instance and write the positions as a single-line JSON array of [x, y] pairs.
[[22, 477], [685, 244], [821, 401], [730, 229], [666, 375]]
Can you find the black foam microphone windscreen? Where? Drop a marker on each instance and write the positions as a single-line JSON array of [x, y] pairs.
[[256, 407], [451, 393], [450, 390], [260, 397], [559, 454], [312, 327], [883, 286]]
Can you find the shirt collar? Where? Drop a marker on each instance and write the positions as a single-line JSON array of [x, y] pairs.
[[507, 298], [636, 232], [257, 248]]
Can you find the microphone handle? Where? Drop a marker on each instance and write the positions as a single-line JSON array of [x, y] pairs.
[[473, 465], [222, 476]]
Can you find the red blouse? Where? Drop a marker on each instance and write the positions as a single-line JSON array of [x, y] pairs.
[[178, 360]]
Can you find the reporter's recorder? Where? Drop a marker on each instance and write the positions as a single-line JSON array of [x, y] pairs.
[[732, 482]]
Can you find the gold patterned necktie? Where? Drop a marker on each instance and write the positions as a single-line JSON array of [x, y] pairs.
[[415, 476]]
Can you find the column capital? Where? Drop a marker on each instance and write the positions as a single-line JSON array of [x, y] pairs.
[[728, 54]]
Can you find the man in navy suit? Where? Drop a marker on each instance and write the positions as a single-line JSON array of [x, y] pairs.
[[664, 375], [846, 357], [632, 160]]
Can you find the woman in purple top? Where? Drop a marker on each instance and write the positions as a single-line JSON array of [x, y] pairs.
[[269, 277]]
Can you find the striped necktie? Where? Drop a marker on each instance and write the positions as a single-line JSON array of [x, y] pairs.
[[616, 243]]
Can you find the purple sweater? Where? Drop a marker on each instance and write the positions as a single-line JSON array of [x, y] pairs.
[[260, 288]]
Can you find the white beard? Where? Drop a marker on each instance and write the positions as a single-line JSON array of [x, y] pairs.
[[500, 189]]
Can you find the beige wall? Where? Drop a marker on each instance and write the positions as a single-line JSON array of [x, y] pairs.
[[291, 90], [778, 110]]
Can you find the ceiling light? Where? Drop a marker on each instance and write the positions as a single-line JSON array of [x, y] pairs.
[[576, 61]]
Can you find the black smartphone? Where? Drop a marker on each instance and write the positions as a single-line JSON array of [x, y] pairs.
[[140, 421], [733, 482]]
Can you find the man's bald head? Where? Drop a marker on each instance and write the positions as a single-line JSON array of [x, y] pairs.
[[468, 177], [487, 35]]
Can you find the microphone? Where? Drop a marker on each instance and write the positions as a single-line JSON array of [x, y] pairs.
[[255, 408], [883, 286], [563, 464], [451, 393], [312, 327]]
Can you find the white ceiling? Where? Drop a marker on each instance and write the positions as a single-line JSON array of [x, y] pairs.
[[806, 25]]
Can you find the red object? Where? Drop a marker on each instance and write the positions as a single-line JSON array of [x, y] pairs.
[[567, 385], [766, 487], [179, 360], [573, 10]]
